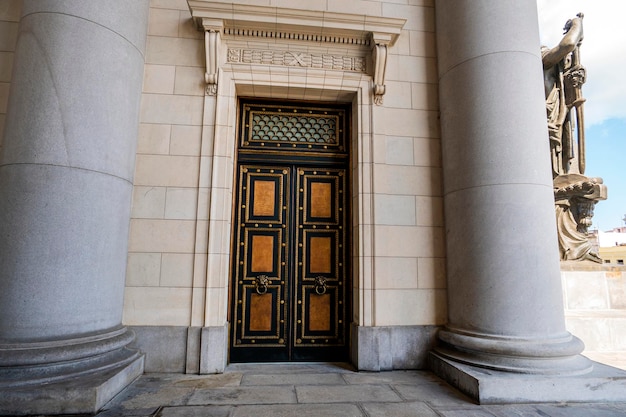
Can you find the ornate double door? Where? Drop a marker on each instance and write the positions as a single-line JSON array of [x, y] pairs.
[[290, 259]]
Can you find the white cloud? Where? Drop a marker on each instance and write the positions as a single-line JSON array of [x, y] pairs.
[[603, 51]]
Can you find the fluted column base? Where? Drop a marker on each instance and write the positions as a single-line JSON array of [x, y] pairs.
[[76, 376], [558, 355]]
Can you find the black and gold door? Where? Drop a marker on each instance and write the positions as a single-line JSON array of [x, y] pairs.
[[290, 262]]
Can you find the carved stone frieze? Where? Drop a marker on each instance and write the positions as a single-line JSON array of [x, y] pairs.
[[295, 58]]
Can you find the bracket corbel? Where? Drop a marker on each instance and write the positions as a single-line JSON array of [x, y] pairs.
[[212, 41], [381, 43]]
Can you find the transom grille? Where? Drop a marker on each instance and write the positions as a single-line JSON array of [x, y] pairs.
[[269, 126]]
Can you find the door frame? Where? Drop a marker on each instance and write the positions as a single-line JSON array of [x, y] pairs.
[[293, 159], [210, 307]]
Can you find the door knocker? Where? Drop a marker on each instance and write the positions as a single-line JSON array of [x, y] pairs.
[[261, 283], [320, 285]]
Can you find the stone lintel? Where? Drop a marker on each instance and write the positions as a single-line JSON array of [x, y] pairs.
[[603, 384]]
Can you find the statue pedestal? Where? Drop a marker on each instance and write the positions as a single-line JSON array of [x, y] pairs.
[[575, 197]]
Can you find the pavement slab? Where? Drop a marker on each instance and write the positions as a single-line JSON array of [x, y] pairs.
[[346, 393], [299, 410], [283, 394], [406, 409], [293, 379], [329, 390]]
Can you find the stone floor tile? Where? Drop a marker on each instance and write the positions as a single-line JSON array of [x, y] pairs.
[[514, 410], [345, 393], [289, 368], [472, 412], [433, 393], [391, 377], [619, 406], [244, 395], [293, 379], [116, 413], [407, 409], [230, 379], [579, 410], [147, 400], [300, 410], [196, 411]]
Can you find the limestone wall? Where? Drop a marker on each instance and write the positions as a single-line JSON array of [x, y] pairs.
[[399, 270], [165, 201], [10, 11]]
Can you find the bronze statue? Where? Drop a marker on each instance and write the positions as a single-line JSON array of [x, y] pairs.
[[575, 194], [563, 79]]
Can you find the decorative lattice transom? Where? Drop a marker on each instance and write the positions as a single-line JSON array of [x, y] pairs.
[[310, 128], [298, 127]]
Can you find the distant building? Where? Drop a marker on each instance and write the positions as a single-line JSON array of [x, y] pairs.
[[613, 245]]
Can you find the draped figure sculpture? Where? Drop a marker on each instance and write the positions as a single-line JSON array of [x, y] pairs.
[[575, 194]]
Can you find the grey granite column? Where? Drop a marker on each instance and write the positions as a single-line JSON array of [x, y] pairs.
[[65, 190], [505, 306]]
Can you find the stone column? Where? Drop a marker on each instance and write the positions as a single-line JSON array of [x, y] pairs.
[[65, 190], [505, 309]]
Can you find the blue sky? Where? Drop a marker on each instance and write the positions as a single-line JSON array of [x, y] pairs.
[[603, 53]]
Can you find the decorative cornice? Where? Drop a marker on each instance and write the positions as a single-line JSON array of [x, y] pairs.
[[220, 19], [324, 26], [296, 36]]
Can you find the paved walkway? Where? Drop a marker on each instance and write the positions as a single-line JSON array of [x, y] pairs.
[[327, 390]]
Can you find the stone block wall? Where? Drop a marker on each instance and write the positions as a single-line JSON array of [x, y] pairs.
[[177, 277], [10, 12], [162, 245], [409, 275]]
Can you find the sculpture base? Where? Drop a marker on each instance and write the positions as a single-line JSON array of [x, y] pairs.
[[485, 386], [84, 394]]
